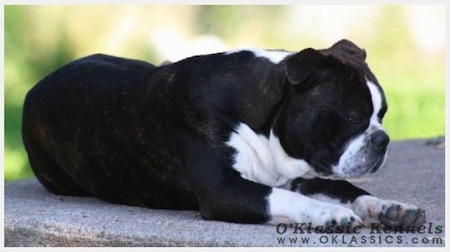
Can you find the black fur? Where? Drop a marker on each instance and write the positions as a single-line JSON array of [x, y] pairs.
[[337, 189]]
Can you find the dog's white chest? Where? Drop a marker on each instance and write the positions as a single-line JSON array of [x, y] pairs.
[[263, 160]]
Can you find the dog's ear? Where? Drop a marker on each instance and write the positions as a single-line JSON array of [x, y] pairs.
[[302, 64], [349, 48]]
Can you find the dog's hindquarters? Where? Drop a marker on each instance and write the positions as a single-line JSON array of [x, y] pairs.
[[86, 110]]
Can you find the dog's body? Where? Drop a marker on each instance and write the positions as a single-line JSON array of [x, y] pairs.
[[230, 134]]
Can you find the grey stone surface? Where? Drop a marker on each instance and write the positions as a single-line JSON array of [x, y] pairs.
[[414, 173]]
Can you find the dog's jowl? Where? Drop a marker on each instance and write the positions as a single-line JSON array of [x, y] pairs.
[[250, 136]]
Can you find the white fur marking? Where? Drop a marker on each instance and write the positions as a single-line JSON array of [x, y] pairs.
[[286, 204], [253, 158], [289, 167], [273, 55], [376, 103], [264, 160]]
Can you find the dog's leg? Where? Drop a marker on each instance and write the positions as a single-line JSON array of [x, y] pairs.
[[286, 206], [371, 209], [224, 195], [239, 200]]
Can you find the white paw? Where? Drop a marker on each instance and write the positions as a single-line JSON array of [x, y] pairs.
[[333, 215], [388, 212]]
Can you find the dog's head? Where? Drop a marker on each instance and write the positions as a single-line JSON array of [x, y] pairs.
[[333, 114]]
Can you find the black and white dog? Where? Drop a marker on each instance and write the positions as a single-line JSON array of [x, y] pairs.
[[250, 136]]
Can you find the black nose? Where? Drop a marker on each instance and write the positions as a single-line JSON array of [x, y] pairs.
[[379, 139]]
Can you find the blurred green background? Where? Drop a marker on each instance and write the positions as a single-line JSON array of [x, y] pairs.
[[405, 45]]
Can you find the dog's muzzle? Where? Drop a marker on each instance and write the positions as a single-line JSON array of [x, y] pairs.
[[362, 155]]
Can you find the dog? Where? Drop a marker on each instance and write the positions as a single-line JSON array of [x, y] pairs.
[[245, 136]]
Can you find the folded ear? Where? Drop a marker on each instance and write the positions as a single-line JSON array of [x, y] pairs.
[[302, 64], [348, 47]]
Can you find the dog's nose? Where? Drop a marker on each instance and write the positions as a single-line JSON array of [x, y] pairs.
[[380, 139]]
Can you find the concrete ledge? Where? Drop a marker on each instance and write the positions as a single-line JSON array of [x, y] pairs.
[[34, 217]]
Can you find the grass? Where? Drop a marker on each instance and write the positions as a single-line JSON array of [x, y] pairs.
[[416, 102]]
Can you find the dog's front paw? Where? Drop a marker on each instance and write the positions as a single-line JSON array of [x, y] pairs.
[[389, 213], [398, 214], [335, 216]]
